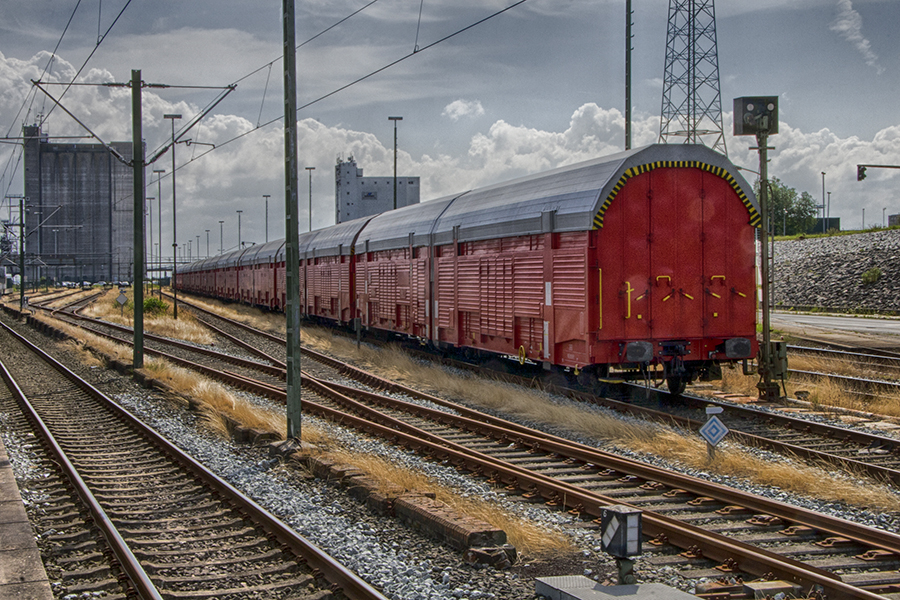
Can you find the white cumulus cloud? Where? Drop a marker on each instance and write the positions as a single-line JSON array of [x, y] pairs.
[[463, 108], [848, 25]]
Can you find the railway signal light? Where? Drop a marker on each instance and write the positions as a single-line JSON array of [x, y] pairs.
[[621, 527], [860, 172], [756, 114]]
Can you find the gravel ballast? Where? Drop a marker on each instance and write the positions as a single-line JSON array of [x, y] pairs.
[[383, 552]]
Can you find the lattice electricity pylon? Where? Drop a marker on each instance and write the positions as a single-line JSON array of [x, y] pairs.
[[691, 103]]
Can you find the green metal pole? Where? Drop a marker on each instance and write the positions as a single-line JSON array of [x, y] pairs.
[[137, 160], [768, 390], [628, 74], [22, 254], [292, 231]]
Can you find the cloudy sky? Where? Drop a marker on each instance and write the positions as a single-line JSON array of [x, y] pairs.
[[539, 86]]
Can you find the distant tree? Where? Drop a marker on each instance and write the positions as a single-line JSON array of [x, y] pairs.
[[791, 213], [803, 214]]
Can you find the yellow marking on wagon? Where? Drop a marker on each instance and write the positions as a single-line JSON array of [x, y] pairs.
[[755, 218]]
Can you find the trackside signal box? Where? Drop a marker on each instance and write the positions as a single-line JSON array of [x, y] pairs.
[[755, 114], [779, 359], [620, 528]]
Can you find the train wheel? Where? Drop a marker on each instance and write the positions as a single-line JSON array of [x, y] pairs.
[[677, 384]]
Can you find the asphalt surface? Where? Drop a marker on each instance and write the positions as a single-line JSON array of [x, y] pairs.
[[868, 332]]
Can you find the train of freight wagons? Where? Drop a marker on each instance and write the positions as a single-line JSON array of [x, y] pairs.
[[643, 259]]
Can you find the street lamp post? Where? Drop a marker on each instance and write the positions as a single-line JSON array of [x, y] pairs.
[[207, 242], [159, 173], [149, 248], [221, 247], [198, 246], [239, 228], [310, 170], [828, 214], [174, 226], [883, 222], [823, 201], [267, 196], [395, 119], [56, 252]]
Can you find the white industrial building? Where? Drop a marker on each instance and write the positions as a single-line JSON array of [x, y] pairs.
[[357, 196]]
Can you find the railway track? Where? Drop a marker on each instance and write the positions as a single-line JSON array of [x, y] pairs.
[[852, 450], [234, 370], [698, 527], [880, 373], [177, 529], [782, 527], [581, 479], [860, 349], [570, 476]]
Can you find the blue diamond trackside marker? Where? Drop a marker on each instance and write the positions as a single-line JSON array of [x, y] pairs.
[[714, 430]]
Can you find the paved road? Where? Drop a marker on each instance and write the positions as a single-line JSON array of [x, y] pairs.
[[869, 326], [859, 332]]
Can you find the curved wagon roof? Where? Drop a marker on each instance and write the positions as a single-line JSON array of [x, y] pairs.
[[574, 197], [570, 198]]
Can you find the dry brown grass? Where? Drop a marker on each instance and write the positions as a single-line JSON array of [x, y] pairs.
[[791, 476], [185, 327], [824, 393], [70, 299], [265, 321], [687, 449], [528, 538], [672, 445], [216, 402], [88, 341]]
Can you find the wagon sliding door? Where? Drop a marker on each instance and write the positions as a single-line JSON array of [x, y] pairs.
[[676, 252], [729, 276]]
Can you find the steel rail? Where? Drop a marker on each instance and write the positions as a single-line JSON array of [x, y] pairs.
[[137, 577], [721, 548], [351, 584], [794, 570], [875, 351], [65, 308], [832, 432], [676, 532], [234, 379], [483, 424], [846, 379], [245, 345], [244, 326], [843, 353], [878, 472], [57, 295], [274, 370]]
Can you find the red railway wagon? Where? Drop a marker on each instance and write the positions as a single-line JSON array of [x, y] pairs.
[[643, 257], [265, 270], [326, 271]]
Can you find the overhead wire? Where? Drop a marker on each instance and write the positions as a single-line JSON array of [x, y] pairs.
[[358, 80], [84, 64], [44, 72], [321, 33], [9, 170], [416, 50]]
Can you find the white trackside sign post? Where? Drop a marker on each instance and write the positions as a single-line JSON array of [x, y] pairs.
[[713, 431]]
